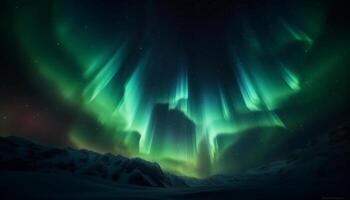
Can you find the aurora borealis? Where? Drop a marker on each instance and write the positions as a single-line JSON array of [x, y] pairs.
[[175, 82]]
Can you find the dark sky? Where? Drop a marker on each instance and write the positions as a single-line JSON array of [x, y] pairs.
[[88, 75]]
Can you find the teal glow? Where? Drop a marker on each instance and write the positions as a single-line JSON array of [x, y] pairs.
[[119, 75]]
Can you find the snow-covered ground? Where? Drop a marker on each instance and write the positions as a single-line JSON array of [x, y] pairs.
[[22, 155], [318, 170], [35, 185]]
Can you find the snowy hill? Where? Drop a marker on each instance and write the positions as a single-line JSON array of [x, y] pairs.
[[28, 170], [20, 154]]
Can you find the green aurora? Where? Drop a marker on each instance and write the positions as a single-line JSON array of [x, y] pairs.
[[270, 69]]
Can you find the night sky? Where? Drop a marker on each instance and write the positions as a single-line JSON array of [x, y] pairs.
[[201, 87]]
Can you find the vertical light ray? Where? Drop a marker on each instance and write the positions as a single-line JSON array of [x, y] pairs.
[[248, 91], [133, 100], [224, 105], [179, 98], [291, 79], [105, 75], [298, 34]]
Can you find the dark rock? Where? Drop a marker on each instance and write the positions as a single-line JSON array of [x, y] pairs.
[[170, 128], [19, 154], [137, 178], [238, 151]]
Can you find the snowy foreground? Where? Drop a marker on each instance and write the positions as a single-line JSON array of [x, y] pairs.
[[31, 171]]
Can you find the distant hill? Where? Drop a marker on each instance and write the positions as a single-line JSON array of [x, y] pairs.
[[17, 154]]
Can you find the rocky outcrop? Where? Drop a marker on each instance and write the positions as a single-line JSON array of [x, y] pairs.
[[20, 154], [171, 134]]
